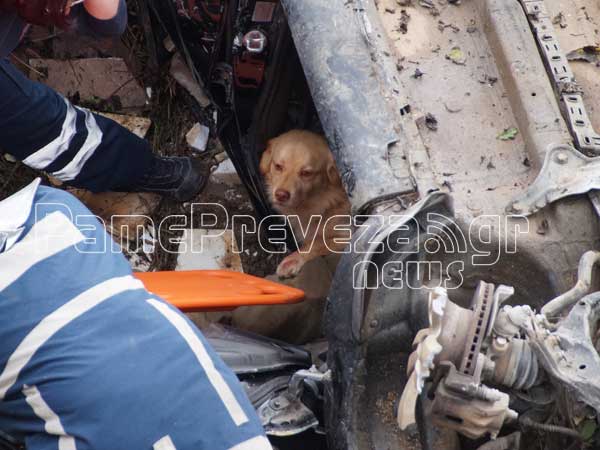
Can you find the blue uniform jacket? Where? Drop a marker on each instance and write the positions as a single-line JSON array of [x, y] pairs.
[[89, 359]]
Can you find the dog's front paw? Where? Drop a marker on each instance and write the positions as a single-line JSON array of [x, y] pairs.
[[290, 266]]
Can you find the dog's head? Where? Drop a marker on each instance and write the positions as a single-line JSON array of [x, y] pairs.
[[297, 165]]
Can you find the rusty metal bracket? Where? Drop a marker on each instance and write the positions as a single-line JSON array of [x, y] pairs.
[[566, 171], [571, 94]]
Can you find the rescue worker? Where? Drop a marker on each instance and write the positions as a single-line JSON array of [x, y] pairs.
[[90, 360], [85, 150]]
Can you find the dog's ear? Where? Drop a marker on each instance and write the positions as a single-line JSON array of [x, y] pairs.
[[333, 174], [265, 159]]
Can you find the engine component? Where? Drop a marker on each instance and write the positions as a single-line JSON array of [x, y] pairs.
[[468, 408], [565, 172], [581, 288], [485, 343], [568, 353], [515, 365], [422, 358], [255, 41], [285, 414]]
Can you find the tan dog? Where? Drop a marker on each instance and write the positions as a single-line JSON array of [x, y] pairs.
[[302, 182]]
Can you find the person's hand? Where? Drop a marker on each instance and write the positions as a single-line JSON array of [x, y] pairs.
[[102, 9]]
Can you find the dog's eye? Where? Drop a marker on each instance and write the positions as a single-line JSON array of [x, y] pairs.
[[305, 173], [278, 167]]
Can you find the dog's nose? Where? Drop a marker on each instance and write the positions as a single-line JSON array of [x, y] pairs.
[[282, 195]]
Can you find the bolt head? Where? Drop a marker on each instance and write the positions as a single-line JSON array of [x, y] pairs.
[[561, 158]]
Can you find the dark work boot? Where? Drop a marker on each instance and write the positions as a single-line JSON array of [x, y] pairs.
[[180, 178]]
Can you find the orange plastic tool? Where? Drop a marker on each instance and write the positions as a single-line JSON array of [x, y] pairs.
[[205, 290]]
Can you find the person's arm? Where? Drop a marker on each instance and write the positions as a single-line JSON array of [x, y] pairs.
[[101, 18]]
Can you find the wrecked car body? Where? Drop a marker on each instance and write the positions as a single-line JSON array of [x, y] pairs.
[[461, 134], [466, 313]]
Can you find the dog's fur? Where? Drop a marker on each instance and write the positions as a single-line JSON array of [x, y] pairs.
[[302, 181]]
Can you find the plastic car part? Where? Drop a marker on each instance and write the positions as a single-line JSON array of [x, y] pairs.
[[251, 354], [205, 290]]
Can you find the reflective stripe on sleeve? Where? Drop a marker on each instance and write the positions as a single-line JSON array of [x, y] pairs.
[[93, 140], [48, 154], [214, 376], [47, 237], [56, 320], [52, 423], [256, 443]]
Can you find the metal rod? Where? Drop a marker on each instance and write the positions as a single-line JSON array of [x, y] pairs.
[[581, 288]]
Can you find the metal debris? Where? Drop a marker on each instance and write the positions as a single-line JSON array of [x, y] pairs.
[[431, 122], [487, 79], [559, 20], [417, 74], [182, 74], [442, 26], [403, 22], [589, 53]]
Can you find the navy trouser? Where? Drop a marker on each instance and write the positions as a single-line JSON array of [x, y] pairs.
[[45, 131]]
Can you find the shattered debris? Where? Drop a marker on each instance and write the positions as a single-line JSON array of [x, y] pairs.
[[182, 74], [431, 122], [208, 249], [102, 83], [197, 137], [471, 28], [403, 22], [428, 4], [225, 173], [399, 66], [442, 26], [487, 79], [543, 227], [457, 56], [137, 125], [560, 20], [589, 53], [508, 134]]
